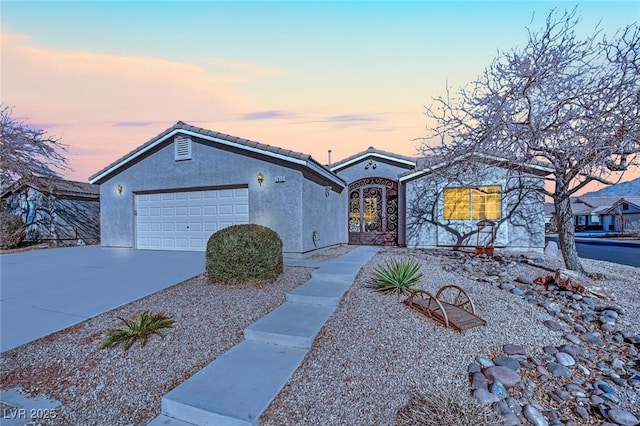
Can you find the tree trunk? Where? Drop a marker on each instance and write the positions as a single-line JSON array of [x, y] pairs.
[[566, 235]]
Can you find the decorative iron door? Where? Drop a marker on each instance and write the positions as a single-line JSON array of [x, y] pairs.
[[373, 212]]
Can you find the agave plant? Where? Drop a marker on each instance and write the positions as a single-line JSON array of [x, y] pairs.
[[137, 329], [397, 276]]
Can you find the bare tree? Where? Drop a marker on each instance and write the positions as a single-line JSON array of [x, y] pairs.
[[569, 104], [25, 151]]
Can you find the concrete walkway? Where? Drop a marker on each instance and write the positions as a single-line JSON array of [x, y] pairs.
[[238, 386], [44, 291]]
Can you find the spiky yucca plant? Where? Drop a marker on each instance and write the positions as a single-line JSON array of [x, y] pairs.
[[397, 276], [137, 329]]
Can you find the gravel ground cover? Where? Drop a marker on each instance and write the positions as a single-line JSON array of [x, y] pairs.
[[109, 387], [371, 356], [374, 352]]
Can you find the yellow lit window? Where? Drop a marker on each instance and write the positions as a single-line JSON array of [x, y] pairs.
[[485, 203], [480, 203], [370, 210], [456, 203]]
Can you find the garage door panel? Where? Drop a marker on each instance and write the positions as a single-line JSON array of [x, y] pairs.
[[186, 220], [241, 209]]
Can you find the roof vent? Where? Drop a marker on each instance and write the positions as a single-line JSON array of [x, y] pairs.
[[183, 147]]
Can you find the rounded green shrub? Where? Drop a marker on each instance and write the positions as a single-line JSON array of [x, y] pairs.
[[12, 230], [244, 254]]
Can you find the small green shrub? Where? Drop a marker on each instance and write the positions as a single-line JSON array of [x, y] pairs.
[[12, 230], [444, 409], [397, 276], [137, 329], [244, 254]]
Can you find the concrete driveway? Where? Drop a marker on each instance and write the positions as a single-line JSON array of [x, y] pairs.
[[43, 291]]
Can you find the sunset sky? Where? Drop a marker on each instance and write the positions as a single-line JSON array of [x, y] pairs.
[[307, 76]]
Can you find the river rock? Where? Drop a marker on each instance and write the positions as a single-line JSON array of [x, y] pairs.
[[623, 417], [553, 325], [484, 396], [498, 390], [558, 370], [484, 361], [479, 381], [504, 375], [511, 349], [507, 362], [534, 416], [565, 359], [593, 338]]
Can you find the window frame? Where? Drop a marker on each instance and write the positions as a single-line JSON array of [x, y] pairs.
[[485, 193]]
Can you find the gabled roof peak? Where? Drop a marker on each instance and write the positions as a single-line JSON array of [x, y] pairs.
[[221, 138], [408, 162]]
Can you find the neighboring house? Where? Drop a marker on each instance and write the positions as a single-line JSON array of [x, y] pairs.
[[55, 210], [622, 213], [178, 188], [609, 213], [587, 211]]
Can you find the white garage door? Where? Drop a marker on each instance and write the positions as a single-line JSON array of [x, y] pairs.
[[186, 220]]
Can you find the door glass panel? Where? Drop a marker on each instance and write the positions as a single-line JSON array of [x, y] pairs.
[[372, 214], [354, 211]]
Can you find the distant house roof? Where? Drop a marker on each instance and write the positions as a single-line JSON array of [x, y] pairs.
[[409, 162], [633, 200], [597, 201], [430, 165], [224, 139], [55, 186], [600, 205]]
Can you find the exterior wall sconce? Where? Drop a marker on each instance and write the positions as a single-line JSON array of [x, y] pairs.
[[327, 191], [260, 178], [119, 189]]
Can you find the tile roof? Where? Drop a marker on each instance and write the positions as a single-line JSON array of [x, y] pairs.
[[223, 137], [428, 165], [597, 201]]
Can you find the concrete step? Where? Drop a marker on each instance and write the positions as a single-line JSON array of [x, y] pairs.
[[163, 420], [338, 271], [318, 292], [346, 267], [290, 324], [236, 388]]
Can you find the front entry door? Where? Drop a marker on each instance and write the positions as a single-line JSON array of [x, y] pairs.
[[373, 212]]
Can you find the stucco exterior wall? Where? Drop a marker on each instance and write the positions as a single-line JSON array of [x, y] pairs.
[[276, 205], [356, 171], [521, 226], [324, 213]]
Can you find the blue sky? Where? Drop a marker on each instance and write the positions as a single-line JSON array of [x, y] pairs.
[[308, 76]]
